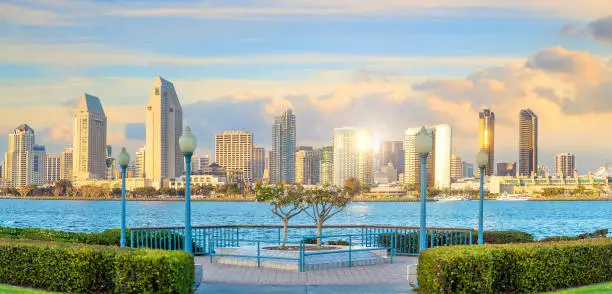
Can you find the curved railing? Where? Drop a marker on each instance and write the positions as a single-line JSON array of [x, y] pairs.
[[207, 238]]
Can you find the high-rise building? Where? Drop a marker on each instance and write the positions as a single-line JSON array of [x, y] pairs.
[[528, 142], [53, 165], [234, 152], [456, 167], [66, 165], [486, 138], [327, 161], [198, 164], [164, 123], [543, 171], [282, 162], [308, 165], [438, 163], [111, 165], [39, 165], [565, 164], [352, 156], [89, 156], [392, 152], [506, 169], [140, 169], [468, 170], [17, 168], [259, 162]]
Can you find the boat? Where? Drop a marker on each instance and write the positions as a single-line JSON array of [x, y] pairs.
[[513, 197], [453, 198]]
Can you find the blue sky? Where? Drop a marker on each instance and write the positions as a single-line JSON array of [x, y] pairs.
[[386, 65]]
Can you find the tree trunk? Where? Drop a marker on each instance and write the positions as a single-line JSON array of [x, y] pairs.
[[284, 237], [319, 231]]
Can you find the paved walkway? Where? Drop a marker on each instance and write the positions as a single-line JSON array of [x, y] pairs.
[[301, 289], [385, 274]]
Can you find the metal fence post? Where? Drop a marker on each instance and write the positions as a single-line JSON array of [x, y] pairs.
[[258, 256], [302, 255], [131, 239], [350, 263]]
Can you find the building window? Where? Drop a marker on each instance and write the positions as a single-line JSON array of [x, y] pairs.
[[157, 91]]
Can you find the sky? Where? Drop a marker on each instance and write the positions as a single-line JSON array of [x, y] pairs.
[[384, 65]]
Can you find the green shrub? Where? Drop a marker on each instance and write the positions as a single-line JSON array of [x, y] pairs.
[[558, 238], [338, 242], [108, 237], [515, 268], [78, 268], [503, 237], [310, 241]]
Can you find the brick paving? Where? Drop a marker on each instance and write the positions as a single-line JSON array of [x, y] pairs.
[[389, 274]]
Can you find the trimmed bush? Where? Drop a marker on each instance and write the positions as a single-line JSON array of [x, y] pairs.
[[558, 238], [108, 237], [338, 242], [503, 237], [515, 268], [78, 268]]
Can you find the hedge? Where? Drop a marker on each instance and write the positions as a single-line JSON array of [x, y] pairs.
[[78, 268], [515, 268], [108, 237], [503, 237]]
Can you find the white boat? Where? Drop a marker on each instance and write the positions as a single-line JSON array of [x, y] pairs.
[[513, 197], [446, 198]]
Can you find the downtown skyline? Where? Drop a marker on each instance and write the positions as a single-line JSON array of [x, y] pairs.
[[556, 65]]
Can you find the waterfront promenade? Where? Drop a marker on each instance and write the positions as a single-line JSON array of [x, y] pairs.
[[384, 278]]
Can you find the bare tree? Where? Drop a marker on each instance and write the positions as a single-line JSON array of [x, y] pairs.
[[286, 202], [323, 204]]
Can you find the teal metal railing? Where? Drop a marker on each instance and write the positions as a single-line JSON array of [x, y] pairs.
[[207, 238]]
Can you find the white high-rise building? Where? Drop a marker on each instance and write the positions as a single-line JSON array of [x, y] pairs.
[[327, 162], [140, 163], [565, 164], [352, 156], [89, 156], [234, 152], [282, 162], [164, 123], [308, 166], [259, 162], [456, 167], [53, 172], [438, 163], [66, 165], [17, 168]]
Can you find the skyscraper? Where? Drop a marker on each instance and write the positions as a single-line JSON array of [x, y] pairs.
[[392, 152], [66, 165], [506, 169], [39, 164], [438, 162], [565, 164], [352, 156], [234, 152], [89, 156], [282, 162], [308, 166], [468, 169], [53, 167], [528, 142], [164, 123], [327, 160], [259, 162], [140, 163], [456, 167], [17, 168], [486, 138]]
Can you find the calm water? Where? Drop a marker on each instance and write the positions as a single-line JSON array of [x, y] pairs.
[[539, 218]]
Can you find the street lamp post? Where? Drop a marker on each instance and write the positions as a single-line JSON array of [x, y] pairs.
[[187, 144], [124, 159], [482, 159], [423, 146]]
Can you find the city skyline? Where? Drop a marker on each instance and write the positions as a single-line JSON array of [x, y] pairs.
[[469, 57]]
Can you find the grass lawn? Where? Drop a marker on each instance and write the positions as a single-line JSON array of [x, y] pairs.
[[6, 289], [598, 288]]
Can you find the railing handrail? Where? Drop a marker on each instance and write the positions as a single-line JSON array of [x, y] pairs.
[[305, 227]]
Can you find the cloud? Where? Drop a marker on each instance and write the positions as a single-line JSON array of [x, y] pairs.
[[601, 29], [560, 60], [22, 15]]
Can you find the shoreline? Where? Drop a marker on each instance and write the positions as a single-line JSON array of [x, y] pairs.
[[253, 200]]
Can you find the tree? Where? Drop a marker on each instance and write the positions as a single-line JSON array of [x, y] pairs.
[[286, 202], [25, 190], [323, 204], [351, 185]]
